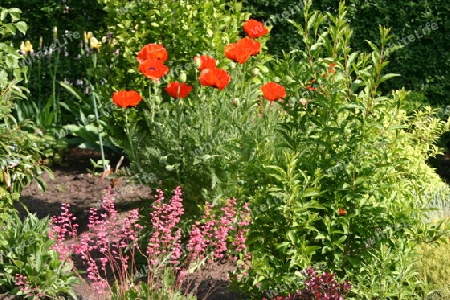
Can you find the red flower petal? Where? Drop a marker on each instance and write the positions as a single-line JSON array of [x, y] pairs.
[[272, 91], [236, 53], [342, 211], [250, 45], [206, 62], [216, 77], [153, 69], [152, 51], [126, 98], [178, 90], [254, 29]]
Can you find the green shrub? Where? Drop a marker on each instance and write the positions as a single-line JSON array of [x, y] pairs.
[[434, 269], [354, 186], [25, 251], [197, 142], [19, 155], [422, 62]]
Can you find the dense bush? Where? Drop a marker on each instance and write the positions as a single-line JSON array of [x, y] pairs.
[[350, 193], [19, 156], [194, 142], [433, 268], [420, 26]]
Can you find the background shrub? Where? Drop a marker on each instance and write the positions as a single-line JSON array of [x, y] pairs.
[[19, 156], [69, 16], [422, 63]]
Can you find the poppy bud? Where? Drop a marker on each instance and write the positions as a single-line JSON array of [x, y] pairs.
[[236, 102], [255, 72], [232, 65], [183, 77], [55, 32], [197, 62], [276, 79]]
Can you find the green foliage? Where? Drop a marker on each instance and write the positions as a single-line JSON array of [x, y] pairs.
[[24, 250], [71, 18], [354, 186], [423, 62], [56, 32], [19, 155], [185, 28], [198, 141], [433, 268]]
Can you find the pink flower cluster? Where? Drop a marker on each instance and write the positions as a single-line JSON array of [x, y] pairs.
[[22, 282], [31, 292], [105, 236], [165, 240], [61, 229], [114, 242], [213, 235]]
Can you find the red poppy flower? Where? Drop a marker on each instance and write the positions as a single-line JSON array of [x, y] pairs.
[[234, 52], [126, 98], [310, 88], [242, 50], [153, 69], [255, 29], [152, 51], [178, 90], [272, 91], [342, 212], [218, 78], [206, 62], [253, 46]]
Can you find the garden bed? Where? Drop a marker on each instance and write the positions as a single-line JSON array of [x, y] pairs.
[[73, 184]]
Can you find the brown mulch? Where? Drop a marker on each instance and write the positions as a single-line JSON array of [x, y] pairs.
[[74, 184]]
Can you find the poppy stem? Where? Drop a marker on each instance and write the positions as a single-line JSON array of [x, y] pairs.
[[152, 106]]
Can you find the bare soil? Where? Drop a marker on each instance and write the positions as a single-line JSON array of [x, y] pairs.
[[74, 184]]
